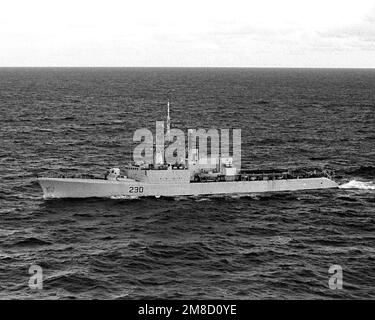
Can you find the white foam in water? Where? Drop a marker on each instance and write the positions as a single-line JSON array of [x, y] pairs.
[[202, 199], [280, 240], [354, 184], [124, 197]]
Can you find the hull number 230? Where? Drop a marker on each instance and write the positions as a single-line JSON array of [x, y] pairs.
[[135, 189]]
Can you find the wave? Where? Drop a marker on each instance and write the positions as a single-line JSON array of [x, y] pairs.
[[75, 282], [367, 172], [27, 197], [124, 197], [202, 199], [32, 242], [354, 184], [280, 240], [181, 198], [7, 232]]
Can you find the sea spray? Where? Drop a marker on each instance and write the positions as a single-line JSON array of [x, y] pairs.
[[354, 184]]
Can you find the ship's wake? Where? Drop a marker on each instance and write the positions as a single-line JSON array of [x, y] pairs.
[[355, 184]]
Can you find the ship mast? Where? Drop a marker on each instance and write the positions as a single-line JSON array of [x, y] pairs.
[[168, 124]]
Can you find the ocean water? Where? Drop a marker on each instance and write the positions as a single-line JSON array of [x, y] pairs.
[[255, 246]]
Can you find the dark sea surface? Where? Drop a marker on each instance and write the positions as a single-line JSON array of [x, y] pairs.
[[247, 247]]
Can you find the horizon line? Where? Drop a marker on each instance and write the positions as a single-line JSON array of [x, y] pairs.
[[190, 67]]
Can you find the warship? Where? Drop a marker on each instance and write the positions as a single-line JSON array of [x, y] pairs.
[[190, 177]]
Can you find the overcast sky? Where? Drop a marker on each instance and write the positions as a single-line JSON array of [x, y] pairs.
[[202, 33]]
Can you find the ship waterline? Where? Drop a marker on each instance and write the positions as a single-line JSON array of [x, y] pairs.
[[86, 188]]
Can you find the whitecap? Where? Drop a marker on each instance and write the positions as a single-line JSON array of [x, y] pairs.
[[124, 197], [202, 199], [280, 240], [354, 184]]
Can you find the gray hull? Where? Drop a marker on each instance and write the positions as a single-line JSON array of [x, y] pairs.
[[85, 188]]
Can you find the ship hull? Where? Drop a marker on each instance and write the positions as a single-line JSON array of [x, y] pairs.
[[86, 188]]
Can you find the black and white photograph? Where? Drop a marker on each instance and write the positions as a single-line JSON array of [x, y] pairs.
[[196, 152]]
